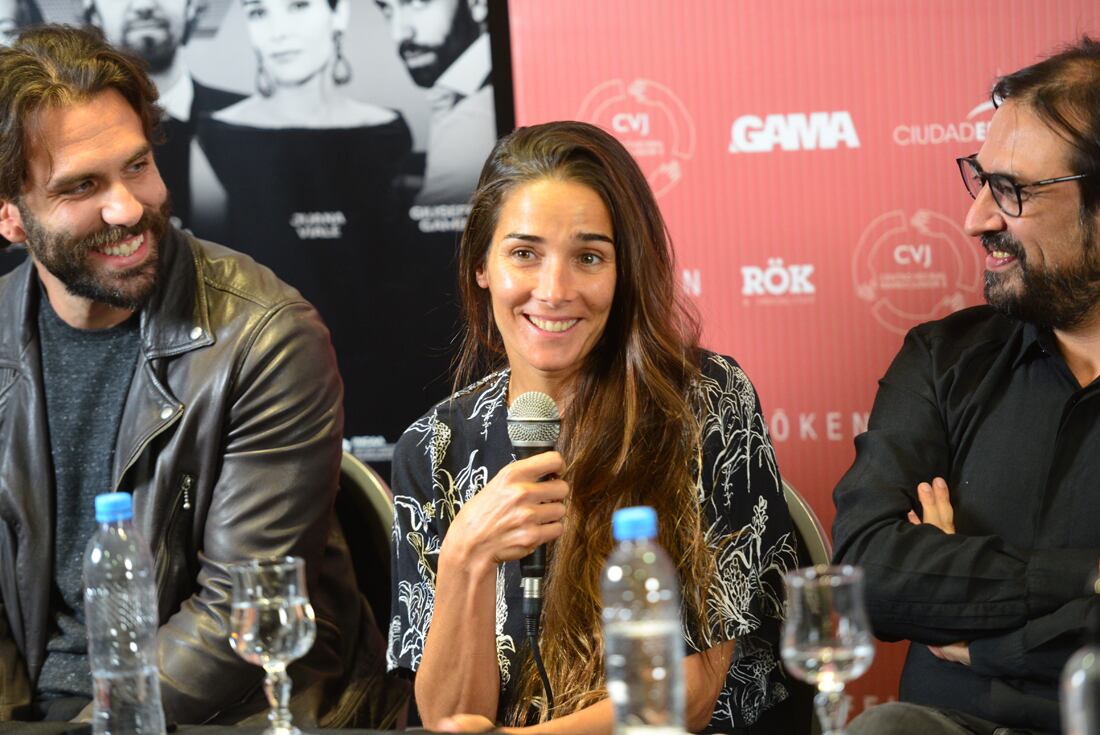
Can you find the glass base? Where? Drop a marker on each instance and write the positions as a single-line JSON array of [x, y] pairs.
[[282, 730]]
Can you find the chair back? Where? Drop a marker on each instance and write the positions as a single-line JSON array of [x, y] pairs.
[[364, 507], [814, 546], [813, 549]]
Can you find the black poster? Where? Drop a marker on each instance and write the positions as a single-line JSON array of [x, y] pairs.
[[338, 143]]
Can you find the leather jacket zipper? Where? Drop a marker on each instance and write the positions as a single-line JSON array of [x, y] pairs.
[[186, 485], [182, 502]]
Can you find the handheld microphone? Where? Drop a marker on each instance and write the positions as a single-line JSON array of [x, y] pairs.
[[534, 425]]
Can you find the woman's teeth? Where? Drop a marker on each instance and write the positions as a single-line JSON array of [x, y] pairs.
[[552, 325]]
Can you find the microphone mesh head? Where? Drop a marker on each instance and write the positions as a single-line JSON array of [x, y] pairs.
[[533, 420]]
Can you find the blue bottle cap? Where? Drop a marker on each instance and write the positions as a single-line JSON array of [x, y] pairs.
[[113, 507], [633, 524]]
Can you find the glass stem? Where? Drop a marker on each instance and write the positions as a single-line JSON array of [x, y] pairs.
[[832, 710], [277, 689]]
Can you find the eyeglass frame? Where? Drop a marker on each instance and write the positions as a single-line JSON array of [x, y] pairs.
[[1017, 188]]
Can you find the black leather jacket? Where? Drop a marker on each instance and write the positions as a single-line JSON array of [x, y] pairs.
[[230, 442]]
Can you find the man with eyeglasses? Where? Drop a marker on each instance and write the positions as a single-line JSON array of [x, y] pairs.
[[973, 505]]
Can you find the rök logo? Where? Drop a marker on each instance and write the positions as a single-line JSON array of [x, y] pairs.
[[777, 283], [796, 131], [971, 130], [650, 120], [913, 269]]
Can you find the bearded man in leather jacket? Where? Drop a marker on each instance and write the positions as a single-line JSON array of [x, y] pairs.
[[135, 357]]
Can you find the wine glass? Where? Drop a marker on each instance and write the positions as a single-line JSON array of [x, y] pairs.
[[272, 624], [826, 637]]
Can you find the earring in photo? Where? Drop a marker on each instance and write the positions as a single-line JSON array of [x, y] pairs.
[[341, 69], [265, 85]]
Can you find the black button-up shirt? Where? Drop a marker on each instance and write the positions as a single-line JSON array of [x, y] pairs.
[[989, 404]]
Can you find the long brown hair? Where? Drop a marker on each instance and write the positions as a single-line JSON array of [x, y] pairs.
[[629, 435]]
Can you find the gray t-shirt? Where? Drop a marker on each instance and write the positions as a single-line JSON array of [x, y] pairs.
[[86, 374]]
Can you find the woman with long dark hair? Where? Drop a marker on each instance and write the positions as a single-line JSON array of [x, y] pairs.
[[567, 281]]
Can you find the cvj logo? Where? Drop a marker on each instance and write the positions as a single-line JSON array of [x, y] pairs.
[[907, 254], [793, 132], [652, 122], [777, 279], [625, 122], [912, 267]]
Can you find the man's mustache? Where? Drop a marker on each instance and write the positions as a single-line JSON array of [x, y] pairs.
[[1003, 242], [408, 48], [114, 234]]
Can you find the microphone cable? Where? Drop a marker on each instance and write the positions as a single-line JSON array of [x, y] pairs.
[[534, 424], [532, 616]]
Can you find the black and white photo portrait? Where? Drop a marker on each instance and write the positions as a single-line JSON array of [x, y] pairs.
[[445, 46]]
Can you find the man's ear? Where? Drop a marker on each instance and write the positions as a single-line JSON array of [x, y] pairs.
[[479, 9], [11, 222]]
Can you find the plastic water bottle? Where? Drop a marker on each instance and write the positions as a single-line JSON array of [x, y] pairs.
[[120, 610], [1081, 681], [644, 644]]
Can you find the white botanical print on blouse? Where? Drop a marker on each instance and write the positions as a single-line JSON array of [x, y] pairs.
[[446, 457], [449, 493]]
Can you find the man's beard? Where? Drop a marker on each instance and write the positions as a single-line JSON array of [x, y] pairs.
[[1058, 298], [67, 259], [158, 53], [464, 31]]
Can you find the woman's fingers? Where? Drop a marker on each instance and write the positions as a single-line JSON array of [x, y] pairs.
[[520, 508], [534, 468]]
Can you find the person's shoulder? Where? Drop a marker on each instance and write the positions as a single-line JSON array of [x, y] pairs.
[[239, 277], [208, 99], [248, 112], [447, 420], [364, 114], [716, 366], [711, 362], [478, 399], [969, 328]]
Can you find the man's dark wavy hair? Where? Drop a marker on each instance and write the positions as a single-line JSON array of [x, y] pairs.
[[52, 67], [1064, 91]]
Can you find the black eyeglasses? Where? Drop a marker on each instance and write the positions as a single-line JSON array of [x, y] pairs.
[[1006, 193]]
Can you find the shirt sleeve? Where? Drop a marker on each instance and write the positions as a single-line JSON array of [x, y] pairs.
[[750, 533], [922, 584], [416, 542], [1038, 649]]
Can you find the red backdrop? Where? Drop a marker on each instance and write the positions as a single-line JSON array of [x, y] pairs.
[[803, 154]]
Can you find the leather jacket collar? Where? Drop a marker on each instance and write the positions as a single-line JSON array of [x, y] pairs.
[[168, 322]]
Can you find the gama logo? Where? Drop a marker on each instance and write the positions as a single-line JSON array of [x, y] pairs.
[[793, 131]]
